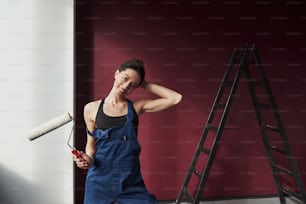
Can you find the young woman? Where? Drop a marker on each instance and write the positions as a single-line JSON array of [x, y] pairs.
[[112, 150]]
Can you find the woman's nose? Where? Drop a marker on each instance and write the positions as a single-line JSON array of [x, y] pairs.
[[126, 86]]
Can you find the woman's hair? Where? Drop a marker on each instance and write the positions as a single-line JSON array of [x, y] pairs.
[[136, 65]]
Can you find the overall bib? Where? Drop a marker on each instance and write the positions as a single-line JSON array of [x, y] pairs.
[[115, 175]]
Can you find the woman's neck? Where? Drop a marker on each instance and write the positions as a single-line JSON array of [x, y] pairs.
[[113, 100]]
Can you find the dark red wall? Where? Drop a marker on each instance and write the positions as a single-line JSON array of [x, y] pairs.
[[185, 46]]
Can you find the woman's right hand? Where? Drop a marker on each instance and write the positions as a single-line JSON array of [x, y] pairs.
[[83, 161]]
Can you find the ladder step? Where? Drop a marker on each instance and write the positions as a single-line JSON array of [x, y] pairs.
[[227, 84], [236, 61], [257, 83], [251, 61], [220, 105], [205, 150], [270, 127], [291, 193], [263, 106], [212, 128], [284, 170], [197, 173], [189, 196], [277, 149]]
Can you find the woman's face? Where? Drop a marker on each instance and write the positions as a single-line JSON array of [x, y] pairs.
[[126, 81]]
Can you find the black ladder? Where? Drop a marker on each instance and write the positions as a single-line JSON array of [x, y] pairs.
[[245, 60]]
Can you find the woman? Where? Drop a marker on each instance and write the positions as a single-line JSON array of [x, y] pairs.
[[112, 150]]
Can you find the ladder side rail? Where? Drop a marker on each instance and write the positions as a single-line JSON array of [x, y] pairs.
[[204, 177], [192, 166], [206, 129], [291, 159], [222, 87], [264, 137]]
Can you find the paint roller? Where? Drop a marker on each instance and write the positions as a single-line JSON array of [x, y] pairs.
[[51, 125]]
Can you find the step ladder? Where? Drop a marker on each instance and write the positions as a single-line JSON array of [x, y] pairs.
[[244, 61]]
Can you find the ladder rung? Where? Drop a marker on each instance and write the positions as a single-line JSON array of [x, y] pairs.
[[189, 196], [227, 83], [197, 173], [257, 83], [270, 127], [212, 128], [263, 106], [205, 150], [251, 61], [220, 105], [275, 148], [284, 170], [236, 61], [289, 192]]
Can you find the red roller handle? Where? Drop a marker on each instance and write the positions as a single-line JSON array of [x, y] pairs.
[[76, 153]]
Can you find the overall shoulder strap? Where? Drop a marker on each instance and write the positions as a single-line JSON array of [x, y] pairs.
[[131, 113]]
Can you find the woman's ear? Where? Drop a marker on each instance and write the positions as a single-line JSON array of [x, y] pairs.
[[116, 73]]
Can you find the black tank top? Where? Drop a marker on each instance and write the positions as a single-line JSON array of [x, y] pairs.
[[104, 121]]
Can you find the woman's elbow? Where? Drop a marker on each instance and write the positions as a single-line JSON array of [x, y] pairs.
[[177, 99]]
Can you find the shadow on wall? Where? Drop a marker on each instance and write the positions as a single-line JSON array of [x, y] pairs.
[[14, 189]]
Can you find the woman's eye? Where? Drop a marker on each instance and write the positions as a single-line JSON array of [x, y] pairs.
[[133, 86]]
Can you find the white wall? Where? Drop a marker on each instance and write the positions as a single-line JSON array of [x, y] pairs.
[[36, 84]]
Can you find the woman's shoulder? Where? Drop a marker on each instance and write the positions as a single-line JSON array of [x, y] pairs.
[[92, 106]]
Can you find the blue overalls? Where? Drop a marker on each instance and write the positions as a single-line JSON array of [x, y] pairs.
[[115, 175]]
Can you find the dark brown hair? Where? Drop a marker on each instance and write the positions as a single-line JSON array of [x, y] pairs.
[[136, 65]]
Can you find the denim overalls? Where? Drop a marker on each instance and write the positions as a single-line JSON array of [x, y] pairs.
[[115, 175]]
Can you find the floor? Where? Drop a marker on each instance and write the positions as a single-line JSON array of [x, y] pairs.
[[246, 201]]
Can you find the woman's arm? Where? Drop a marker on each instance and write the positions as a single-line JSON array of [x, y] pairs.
[[167, 98], [89, 117], [86, 159]]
